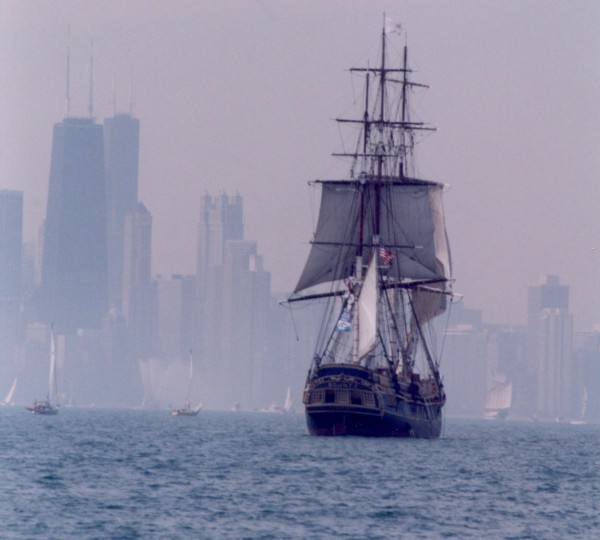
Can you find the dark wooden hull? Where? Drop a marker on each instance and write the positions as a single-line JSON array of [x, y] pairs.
[[349, 400]]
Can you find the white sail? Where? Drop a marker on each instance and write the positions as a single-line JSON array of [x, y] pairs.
[[8, 400], [500, 396], [367, 311], [190, 377], [287, 406], [52, 392]]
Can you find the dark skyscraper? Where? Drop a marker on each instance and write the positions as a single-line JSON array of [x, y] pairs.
[[11, 227], [121, 158], [74, 289], [11, 237]]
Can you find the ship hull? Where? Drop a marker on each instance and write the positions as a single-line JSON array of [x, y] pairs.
[[332, 406], [337, 422]]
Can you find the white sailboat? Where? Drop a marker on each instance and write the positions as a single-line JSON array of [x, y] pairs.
[[48, 406], [580, 421], [287, 405], [8, 400], [187, 409], [499, 398]]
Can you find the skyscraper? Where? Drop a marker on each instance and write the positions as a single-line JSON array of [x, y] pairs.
[[11, 238], [550, 338], [74, 288], [233, 305], [138, 302], [221, 219], [121, 158]]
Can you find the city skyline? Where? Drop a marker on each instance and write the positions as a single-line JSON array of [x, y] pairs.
[[515, 144]]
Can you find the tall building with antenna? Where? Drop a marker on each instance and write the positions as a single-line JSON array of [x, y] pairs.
[[121, 158], [74, 281]]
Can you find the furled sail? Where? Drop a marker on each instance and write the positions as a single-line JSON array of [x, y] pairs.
[[412, 228]]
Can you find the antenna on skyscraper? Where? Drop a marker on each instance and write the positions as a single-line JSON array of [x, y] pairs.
[[67, 96], [130, 90], [91, 101], [114, 96]]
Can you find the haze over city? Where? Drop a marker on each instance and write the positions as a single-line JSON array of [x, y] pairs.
[[239, 96]]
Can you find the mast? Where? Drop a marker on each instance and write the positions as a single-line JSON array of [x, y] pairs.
[[91, 97], [114, 96], [52, 374], [403, 118], [381, 146], [67, 89]]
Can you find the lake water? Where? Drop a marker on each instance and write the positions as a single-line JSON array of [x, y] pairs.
[[145, 474]]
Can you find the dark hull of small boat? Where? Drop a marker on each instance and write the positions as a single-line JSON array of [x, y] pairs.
[[178, 412], [48, 411]]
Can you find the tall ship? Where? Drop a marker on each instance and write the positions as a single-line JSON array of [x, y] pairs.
[[380, 265]]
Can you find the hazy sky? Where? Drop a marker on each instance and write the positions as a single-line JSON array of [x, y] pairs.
[[239, 95]]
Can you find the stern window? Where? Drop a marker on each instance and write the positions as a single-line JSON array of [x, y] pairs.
[[356, 397]]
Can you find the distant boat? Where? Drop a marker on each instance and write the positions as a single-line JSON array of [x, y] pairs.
[[272, 408], [49, 405], [380, 257], [8, 400], [499, 399], [580, 420], [187, 409], [287, 405]]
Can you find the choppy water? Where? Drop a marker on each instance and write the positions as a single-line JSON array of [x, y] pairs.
[[140, 474]]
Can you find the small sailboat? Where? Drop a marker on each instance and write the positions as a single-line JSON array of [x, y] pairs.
[[48, 406], [187, 409], [8, 400], [581, 419], [499, 398], [287, 405]]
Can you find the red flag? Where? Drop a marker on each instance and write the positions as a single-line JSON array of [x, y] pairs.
[[386, 256]]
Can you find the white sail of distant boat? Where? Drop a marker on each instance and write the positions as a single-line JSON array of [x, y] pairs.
[[582, 409], [50, 405], [287, 405], [8, 400], [499, 398], [187, 409]]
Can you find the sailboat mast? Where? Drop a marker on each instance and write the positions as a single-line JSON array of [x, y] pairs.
[[52, 374]]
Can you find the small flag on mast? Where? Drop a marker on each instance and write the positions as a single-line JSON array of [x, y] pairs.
[[391, 26], [385, 256]]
